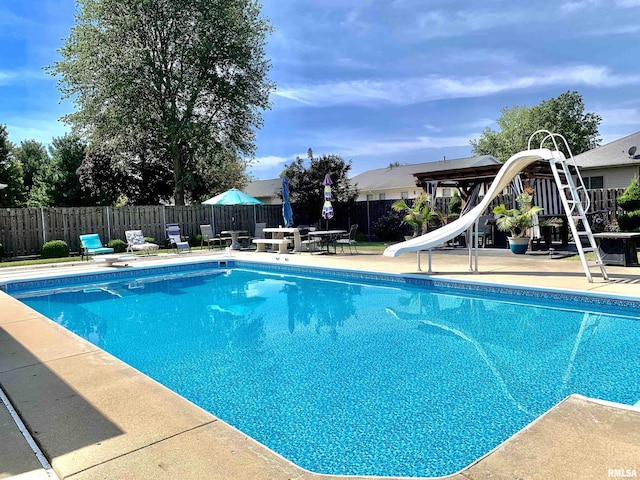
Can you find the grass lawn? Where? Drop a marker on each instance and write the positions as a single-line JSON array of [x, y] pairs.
[[377, 247]]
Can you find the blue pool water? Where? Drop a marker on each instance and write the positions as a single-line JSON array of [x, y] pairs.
[[349, 375]]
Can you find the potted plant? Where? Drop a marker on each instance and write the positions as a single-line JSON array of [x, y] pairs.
[[517, 221], [418, 214]]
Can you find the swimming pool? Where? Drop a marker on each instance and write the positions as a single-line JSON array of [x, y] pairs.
[[357, 375]]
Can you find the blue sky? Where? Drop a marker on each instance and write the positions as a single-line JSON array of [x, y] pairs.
[[379, 81]]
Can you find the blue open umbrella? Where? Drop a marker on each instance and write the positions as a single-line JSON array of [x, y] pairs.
[[287, 213], [233, 197]]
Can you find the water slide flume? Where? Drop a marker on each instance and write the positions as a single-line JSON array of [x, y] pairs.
[[508, 172]]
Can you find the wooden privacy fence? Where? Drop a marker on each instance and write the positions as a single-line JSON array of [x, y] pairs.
[[24, 230]]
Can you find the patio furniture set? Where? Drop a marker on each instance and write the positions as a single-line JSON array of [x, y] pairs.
[[280, 240]]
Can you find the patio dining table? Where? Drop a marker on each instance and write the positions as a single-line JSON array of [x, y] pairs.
[[328, 237], [235, 237]]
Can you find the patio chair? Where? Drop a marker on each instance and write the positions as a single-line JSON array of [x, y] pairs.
[[208, 237], [302, 242], [349, 239], [91, 244], [136, 242], [175, 239], [259, 231], [484, 230]]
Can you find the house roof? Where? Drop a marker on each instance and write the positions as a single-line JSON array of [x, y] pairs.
[[612, 154], [264, 188], [403, 176]]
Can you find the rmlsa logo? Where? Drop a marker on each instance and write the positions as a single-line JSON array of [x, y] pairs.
[[622, 473]]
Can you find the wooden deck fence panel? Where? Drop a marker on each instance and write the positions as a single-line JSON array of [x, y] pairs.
[[20, 230], [24, 230], [605, 201], [145, 218]]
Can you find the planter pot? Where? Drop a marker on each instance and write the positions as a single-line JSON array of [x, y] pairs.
[[518, 245]]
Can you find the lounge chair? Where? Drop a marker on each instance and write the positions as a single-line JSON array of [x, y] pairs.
[[349, 239], [136, 242], [208, 237], [90, 244], [175, 239]]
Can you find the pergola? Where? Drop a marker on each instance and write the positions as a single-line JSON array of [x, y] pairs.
[[465, 179]]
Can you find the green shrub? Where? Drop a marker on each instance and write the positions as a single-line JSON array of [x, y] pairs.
[[55, 249], [629, 201], [455, 203], [195, 240], [390, 227], [629, 222], [118, 246], [149, 239], [1, 252]]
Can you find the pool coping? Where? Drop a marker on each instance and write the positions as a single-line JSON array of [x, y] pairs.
[[199, 444]]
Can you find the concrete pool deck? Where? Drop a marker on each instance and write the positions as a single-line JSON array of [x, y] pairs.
[[95, 417]]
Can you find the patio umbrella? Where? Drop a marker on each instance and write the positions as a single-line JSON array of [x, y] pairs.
[[287, 213], [327, 208], [233, 197]]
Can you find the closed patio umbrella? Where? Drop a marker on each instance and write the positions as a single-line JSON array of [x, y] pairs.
[[287, 213], [327, 208]]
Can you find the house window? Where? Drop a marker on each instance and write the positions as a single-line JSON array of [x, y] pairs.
[[404, 195], [594, 182], [382, 197], [369, 198]]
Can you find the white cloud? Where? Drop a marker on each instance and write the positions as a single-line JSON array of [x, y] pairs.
[[620, 116], [265, 163], [436, 87], [350, 147], [43, 131], [10, 77]]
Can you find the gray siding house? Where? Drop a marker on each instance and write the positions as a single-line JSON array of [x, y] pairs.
[[393, 183], [612, 165], [267, 191]]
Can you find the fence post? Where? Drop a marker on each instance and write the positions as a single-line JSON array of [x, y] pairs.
[[44, 226], [108, 225]]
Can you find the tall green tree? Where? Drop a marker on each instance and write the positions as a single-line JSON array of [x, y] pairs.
[[563, 114], [14, 194], [68, 153], [167, 83], [33, 157], [306, 189]]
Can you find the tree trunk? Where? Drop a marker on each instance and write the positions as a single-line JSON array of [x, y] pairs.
[[178, 176]]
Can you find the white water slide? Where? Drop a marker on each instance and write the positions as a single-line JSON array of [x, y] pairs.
[[508, 172]]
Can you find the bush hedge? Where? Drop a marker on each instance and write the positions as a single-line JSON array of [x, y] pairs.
[[118, 246], [54, 249], [629, 222], [629, 201], [389, 227]]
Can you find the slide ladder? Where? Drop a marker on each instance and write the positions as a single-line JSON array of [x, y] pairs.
[[571, 195]]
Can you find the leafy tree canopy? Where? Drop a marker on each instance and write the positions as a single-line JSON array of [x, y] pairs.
[[563, 114], [33, 157], [13, 195], [307, 191], [161, 87]]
